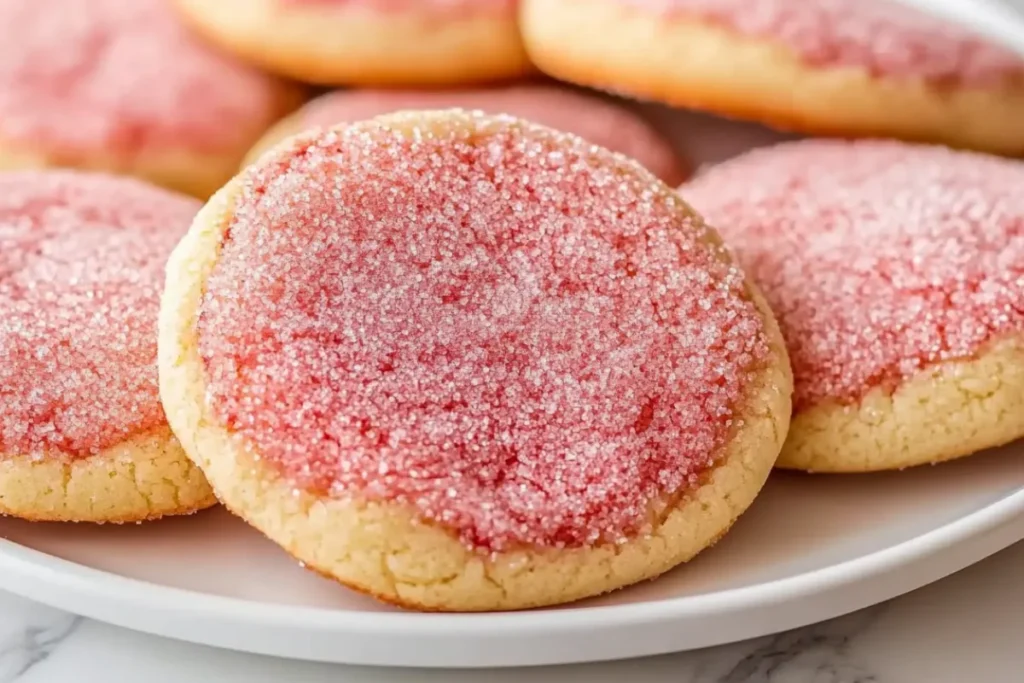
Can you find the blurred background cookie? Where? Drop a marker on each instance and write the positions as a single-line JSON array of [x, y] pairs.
[[125, 87], [839, 67], [82, 434], [511, 367], [369, 42], [897, 275], [592, 117]]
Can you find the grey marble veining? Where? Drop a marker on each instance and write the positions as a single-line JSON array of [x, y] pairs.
[[965, 629], [29, 634]]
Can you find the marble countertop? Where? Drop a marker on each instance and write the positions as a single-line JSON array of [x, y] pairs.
[[968, 627]]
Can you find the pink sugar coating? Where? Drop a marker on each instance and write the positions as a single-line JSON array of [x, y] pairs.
[[80, 77], [81, 271], [446, 7], [879, 258], [592, 118], [499, 329], [885, 37]]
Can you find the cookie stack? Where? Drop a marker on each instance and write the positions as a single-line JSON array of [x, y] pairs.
[[455, 338]]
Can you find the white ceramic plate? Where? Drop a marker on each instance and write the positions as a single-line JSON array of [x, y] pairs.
[[811, 548]]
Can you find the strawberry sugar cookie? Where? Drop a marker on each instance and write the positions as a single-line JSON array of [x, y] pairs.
[[82, 435], [369, 42], [465, 363], [850, 68], [124, 87], [593, 118], [897, 275]]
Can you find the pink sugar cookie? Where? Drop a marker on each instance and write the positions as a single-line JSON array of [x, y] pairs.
[[897, 274], [82, 433], [509, 365], [850, 68], [440, 7], [593, 118], [369, 42], [125, 87]]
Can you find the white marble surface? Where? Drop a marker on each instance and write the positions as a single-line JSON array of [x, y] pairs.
[[969, 627]]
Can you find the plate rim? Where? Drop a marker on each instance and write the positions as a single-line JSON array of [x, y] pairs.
[[112, 588]]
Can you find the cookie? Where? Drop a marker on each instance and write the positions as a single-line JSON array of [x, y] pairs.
[[369, 42], [124, 87], [82, 435], [848, 68], [593, 118], [897, 275], [467, 363]]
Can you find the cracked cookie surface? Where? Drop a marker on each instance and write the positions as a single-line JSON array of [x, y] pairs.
[[82, 433], [897, 274], [457, 419]]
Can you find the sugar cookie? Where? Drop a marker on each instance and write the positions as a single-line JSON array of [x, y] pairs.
[[897, 274], [593, 118], [82, 434], [850, 68], [463, 362], [369, 42], [122, 86]]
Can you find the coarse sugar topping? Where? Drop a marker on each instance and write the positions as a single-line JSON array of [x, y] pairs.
[[81, 271], [524, 338], [593, 118], [885, 37], [118, 77], [879, 258]]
